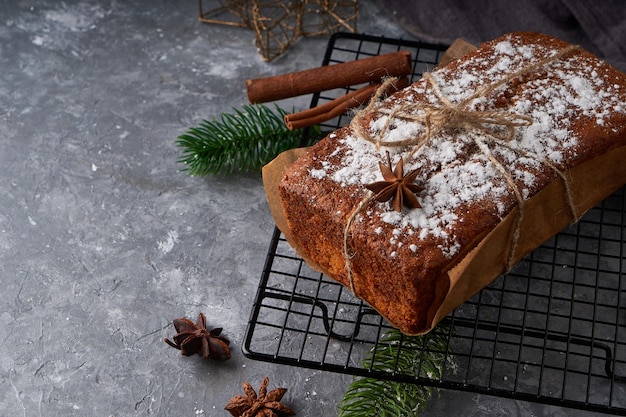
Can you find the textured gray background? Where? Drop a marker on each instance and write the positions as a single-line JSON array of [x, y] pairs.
[[103, 241]]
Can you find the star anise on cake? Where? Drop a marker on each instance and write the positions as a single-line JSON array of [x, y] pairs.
[[266, 404], [399, 188], [193, 338]]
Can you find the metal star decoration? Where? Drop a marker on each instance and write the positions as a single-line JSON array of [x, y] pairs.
[[280, 24], [397, 187]]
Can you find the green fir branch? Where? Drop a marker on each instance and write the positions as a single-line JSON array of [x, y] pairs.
[[423, 356], [244, 140]]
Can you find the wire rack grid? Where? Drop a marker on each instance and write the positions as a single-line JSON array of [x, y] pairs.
[[551, 331]]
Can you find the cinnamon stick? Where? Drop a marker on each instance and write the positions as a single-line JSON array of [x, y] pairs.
[[262, 90], [338, 106]]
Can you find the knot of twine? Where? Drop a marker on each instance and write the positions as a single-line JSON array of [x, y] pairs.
[[495, 126], [500, 125]]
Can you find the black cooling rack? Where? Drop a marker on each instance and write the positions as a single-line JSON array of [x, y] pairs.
[[551, 331]]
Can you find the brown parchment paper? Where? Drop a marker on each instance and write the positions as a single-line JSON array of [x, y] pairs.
[[272, 174], [547, 213], [458, 48]]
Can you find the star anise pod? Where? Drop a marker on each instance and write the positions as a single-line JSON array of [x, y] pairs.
[[193, 338], [399, 188], [266, 404]]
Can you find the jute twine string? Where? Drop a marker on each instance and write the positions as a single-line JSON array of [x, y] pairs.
[[484, 128]]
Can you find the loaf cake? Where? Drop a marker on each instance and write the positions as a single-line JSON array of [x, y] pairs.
[[527, 129]]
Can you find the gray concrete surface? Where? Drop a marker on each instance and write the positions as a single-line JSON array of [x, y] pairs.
[[103, 241]]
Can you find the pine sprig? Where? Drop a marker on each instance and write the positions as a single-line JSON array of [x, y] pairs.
[[244, 140], [423, 356]]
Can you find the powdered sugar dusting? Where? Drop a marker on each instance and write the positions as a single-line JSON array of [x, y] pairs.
[[505, 48], [455, 167]]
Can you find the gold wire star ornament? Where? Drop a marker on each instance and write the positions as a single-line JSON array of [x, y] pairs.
[[279, 24]]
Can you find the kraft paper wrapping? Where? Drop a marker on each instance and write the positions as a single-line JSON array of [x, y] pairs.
[[272, 175], [545, 214], [458, 48]]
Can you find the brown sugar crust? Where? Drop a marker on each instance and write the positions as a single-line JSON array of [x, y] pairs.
[[399, 261]]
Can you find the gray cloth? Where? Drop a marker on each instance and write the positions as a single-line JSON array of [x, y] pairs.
[[598, 26]]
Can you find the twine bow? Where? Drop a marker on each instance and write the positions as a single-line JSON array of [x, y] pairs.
[[500, 125], [483, 127]]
